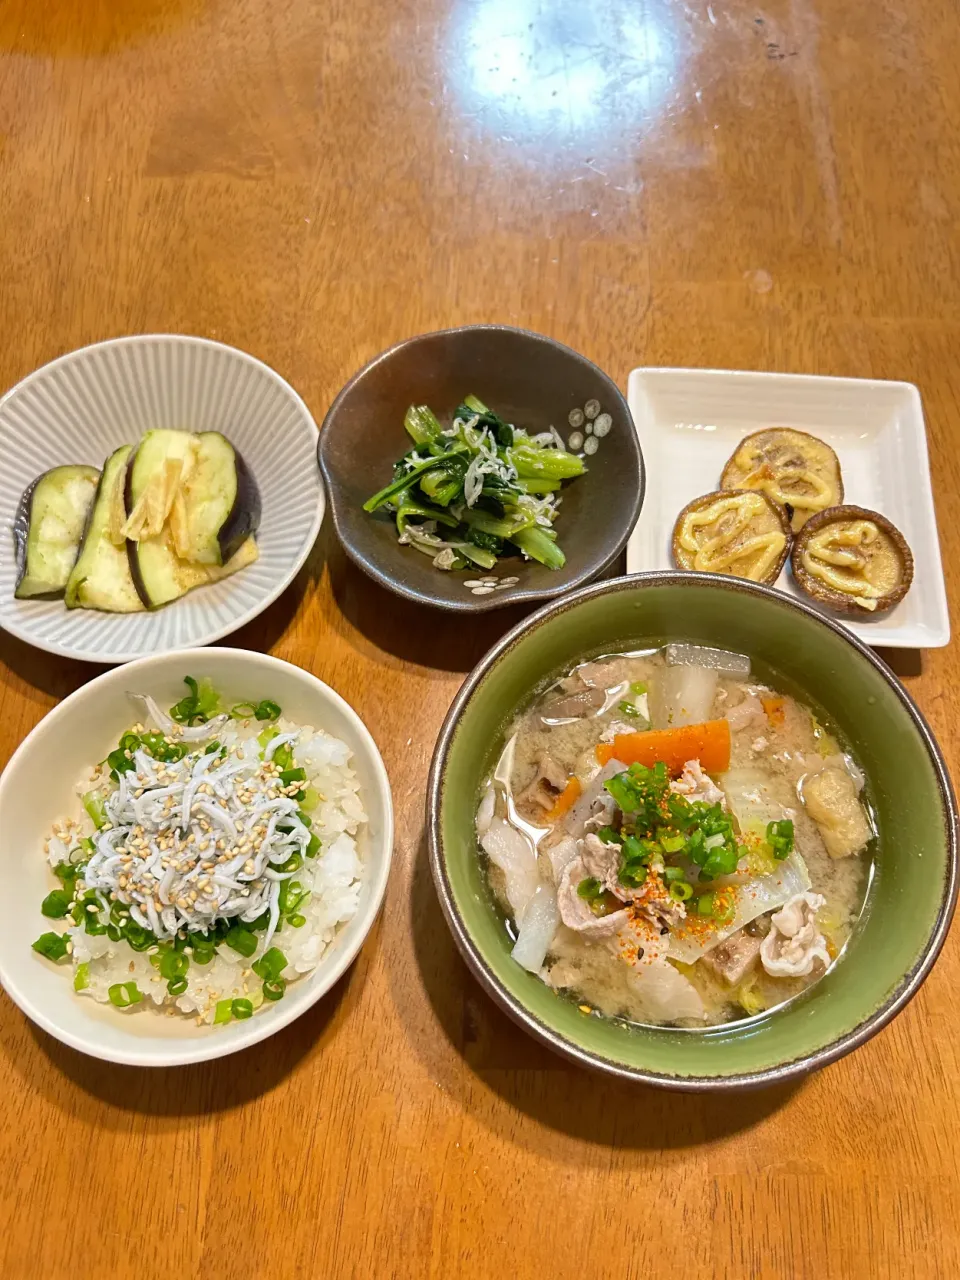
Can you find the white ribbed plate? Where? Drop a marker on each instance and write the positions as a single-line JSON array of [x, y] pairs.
[[78, 409]]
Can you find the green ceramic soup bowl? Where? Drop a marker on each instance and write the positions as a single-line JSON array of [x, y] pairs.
[[913, 893]]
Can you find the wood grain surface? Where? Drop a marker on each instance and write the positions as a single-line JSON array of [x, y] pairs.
[[722, 184]]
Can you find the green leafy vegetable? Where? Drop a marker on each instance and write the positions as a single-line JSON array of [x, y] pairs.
[[478, 490]]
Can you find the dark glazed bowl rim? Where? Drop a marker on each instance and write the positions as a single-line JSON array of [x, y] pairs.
[[499, 600], [784, 1072]]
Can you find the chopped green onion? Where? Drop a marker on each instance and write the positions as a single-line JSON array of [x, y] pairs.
[[81, 978], [241, 1009], [608, 835], [780, 838], [673, 873], [297, 920], [589, 888], [56, 904], [681, 890], [638, 688], [310, 802], [721, 911], [124, 994], [241, 940], [199, 705], [268, 710], [313, 848], [274, 988], [271, 964], [95, 807], [629, 710], [670, 843], [174, 964], [244, 711], [223, 1012], [52, 945], [177, 986]]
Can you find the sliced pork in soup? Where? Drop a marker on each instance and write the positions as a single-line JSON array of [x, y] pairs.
[[674, 842]]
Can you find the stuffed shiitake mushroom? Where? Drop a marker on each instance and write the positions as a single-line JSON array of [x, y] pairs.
[[791, 467], [738, 532], [853, 560]]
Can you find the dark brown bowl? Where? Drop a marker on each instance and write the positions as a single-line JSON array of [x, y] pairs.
[[528, 379]]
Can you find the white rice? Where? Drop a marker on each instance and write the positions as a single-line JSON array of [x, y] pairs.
[[334, 879]]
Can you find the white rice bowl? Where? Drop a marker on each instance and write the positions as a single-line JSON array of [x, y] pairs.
[[346, 879]]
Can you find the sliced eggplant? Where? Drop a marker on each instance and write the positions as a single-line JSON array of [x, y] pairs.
[[853, 560], [48, 527], [738, 532], [793, 468], [199, 485], [156, 474], [160, 576], [101, 577], [220, 505]]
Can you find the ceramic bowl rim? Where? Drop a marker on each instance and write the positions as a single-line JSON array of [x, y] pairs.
[[246, 1034], [499, 600], [780, 1073], [216, 633]]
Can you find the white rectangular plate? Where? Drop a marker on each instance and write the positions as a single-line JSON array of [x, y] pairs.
[[690, 421]]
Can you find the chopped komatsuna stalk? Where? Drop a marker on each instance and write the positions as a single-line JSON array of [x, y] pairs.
[[477, 490]]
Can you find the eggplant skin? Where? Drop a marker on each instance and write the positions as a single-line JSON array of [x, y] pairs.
[[21, 528], [138, 583], [47, 581], [244, 517]]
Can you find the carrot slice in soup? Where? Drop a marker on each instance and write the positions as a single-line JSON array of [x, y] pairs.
[[709, 743], [776, 710], [567, 798]]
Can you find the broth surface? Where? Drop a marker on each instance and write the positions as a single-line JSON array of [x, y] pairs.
[[634, 917]]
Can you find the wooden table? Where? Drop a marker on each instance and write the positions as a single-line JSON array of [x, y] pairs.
[[652, 182]]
